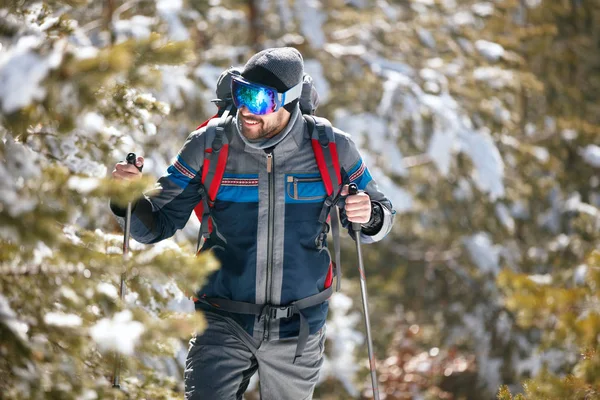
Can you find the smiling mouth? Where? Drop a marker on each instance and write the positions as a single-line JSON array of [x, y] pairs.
[[250, 122]]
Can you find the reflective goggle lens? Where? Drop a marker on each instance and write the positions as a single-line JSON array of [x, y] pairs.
[[259, 100]]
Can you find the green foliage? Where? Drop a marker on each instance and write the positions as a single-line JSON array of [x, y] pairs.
[[568, 316], [60, 263]]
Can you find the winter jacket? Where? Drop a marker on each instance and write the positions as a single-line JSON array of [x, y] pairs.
[[266, 232]]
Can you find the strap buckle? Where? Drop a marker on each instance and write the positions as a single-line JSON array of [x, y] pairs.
[[276, 312]]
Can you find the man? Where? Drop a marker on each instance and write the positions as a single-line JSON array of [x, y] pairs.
[[266, 234]]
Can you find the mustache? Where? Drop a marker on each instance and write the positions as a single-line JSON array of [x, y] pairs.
[[248, 118]]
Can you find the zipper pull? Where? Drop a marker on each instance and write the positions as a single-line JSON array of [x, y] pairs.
[[269, 162]]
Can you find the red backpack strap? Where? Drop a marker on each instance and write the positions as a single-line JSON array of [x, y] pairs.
[[323, 143], [215, 161], [326, 155], [202, 125]]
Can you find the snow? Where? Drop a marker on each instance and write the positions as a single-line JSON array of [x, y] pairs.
[[390, 12], [580, 274], [452, 127], [574, 204], [488, 173], [92, 122], [440, 149], [69, 294], [489, 367], [591, 155], [169, 10], [138, 27], [178, 301], [561, 243], [483, 9], [491, 51], [545, 279], [489, 167], [41, 252], [311, 18], [86, 52], [426, 37], [553, 359], [463, 191], [503, 214], [177, 88], [495, 77], [483, 253], [20, 164], [85, 166], [374, 137], [315, 69], [377, 144], [83, 185], [532, 3], [62, 320], [463, 18], [22, 70], [284, 12], [88, 394], [339, 51], [157, 249], [107, 289], [224, 17], [70, 233], [569, 134], [342, 341], [117, 334], [10, 320]]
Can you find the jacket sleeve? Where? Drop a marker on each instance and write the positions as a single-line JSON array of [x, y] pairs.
[[354, 170], [161, 211]]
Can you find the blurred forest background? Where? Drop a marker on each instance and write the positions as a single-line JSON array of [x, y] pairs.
[[479, 119]]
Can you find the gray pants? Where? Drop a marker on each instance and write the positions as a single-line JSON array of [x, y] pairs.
[[221, 361]]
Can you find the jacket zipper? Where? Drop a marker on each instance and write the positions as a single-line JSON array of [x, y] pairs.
[[271, 176]]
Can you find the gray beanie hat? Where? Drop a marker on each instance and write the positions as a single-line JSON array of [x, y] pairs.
[[281, 68]]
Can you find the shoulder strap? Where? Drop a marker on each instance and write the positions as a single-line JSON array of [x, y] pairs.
[[323, 144], [215, 161], [324, 147]]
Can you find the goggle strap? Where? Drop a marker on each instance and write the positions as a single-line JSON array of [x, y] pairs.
[[291, 94]]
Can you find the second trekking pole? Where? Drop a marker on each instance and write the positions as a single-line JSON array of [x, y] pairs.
[[131, 159], [353, 189]]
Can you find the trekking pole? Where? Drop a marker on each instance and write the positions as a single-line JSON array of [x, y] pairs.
[[353, 189], [131, 158]]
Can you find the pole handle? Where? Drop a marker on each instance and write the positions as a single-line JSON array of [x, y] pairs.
[[131, 159], [353, 189]]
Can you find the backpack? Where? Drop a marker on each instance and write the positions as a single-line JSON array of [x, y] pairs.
[[324, 147]]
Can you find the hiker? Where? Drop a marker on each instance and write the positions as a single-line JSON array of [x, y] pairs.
[[268, 178]]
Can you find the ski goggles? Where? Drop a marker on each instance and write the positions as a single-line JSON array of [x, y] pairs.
[[261, 99]]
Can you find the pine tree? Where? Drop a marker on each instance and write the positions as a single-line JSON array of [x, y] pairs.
[[75, 82]]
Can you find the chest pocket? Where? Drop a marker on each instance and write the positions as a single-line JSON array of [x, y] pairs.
[[302, 188]]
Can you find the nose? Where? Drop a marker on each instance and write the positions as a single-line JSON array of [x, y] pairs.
[[246, 113]]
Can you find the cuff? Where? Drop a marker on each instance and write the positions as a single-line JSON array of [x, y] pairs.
[[121, 211], [375, 222]]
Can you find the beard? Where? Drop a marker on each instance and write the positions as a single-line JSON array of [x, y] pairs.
[[263, 129]]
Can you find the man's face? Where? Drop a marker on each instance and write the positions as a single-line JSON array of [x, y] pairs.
[[262, 126]]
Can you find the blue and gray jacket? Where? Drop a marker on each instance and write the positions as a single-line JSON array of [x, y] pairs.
[[265, 225]]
